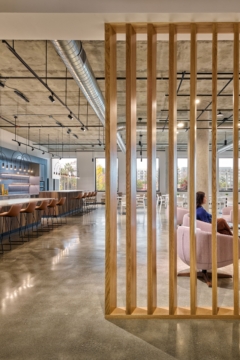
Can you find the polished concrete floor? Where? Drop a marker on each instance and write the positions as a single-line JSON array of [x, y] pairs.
[[52, 301]]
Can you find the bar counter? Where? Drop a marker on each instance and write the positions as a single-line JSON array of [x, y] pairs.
[[7, 203], [70, 204]]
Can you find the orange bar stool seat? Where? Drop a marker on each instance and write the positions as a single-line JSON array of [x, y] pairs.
[[51, 212], [41, 209], [61, 202], [29, 210], [8, 217]]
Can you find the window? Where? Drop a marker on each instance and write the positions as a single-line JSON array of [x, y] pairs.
[[65, 170], [142, 174], [225, 174], [100, 174], [182, 174]]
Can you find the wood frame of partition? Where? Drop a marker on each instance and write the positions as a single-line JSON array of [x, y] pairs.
[[173, 311]]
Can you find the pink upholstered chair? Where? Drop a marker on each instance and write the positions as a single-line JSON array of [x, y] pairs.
[[180, 214], [204, 248]]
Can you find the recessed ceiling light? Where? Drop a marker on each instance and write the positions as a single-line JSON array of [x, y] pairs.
[[180, 125]]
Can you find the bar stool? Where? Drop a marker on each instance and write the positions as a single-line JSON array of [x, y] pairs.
[[12, 213], [41, 208], [84, 200], [27, 212], [60, 203], [76, 198], [52, 211]]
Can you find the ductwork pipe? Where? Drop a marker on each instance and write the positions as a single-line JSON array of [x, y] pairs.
[[75, 59]]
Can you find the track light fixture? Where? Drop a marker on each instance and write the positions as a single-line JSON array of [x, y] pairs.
[[43, 152], [32, 148], [219, 114], [83, 128], [99, 142], [2, 84], [19, 144], [51, 98], [70, 116], [69, 131], [75, 136], [21, 95]]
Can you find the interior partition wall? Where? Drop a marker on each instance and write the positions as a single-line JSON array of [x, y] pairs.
[[132, 309]]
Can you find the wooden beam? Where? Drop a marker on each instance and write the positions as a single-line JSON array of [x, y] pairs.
[[181, 27], [214, 169], [192, 169], [172, 136], [235, 166], [151, 164], [111, 170], [131, 114]]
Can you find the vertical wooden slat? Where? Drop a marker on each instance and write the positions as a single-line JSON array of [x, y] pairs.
[[131, 112], [214, 170], [151, 163], [235, 166], [192, 170], [111, 170], [172, 168]]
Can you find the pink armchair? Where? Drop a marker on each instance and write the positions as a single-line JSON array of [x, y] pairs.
[[204, 248]]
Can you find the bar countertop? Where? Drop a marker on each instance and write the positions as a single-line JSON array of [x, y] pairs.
[[10, 202]]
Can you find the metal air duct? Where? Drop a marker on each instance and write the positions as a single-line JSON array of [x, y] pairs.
[[75, 59]]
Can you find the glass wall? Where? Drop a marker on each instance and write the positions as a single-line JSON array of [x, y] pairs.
[[182, 174], [68, 173], [225, 174], [142, 174]]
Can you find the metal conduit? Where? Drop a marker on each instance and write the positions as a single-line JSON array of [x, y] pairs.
[[75, 59]]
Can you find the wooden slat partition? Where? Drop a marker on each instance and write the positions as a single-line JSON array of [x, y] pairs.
[[131, 110], [214, 169], [192, 170], [151, 161], [132, 311], [111, 170], [235, 166], [172, 135]]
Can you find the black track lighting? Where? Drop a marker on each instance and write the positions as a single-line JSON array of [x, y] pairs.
[[83, 128], [75, 136], [68, 131], [99, 142], [21, 95], [2, 84], [19, 144], [51, 98], [70, 116], [59, 124], [32, 148], [43, 152]]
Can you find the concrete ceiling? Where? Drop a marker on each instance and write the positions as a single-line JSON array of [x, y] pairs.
[[41, 115]]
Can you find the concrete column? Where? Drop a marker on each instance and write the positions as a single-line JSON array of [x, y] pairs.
[[202, 155]]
